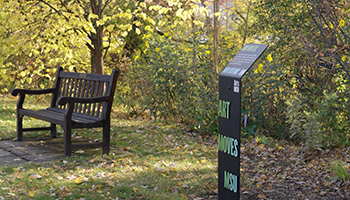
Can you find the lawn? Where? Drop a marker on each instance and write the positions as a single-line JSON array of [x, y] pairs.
[[164, 162]]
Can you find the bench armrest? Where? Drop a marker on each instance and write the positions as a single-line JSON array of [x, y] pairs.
[[15, 92], [72, 100]]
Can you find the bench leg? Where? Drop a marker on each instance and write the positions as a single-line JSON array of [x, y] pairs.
[[67, 141], [53, 130], [106, 139], [19, 127]]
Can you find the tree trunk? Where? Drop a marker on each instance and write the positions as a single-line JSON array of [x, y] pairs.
[[97, 66], [216, 36]]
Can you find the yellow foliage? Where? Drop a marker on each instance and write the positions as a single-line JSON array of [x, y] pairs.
[[259, 68], [269, 58], [124, 34], [138, 32]]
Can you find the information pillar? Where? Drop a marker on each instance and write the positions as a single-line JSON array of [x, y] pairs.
[[229, 136]]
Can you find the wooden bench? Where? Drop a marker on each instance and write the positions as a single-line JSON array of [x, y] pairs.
[[78, 100]]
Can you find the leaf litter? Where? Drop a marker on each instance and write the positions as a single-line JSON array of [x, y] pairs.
[[165, 164]]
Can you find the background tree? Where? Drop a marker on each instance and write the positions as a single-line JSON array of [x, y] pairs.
[[309, 102]]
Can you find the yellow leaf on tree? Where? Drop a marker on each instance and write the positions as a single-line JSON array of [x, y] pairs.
[[138, 32], [110, 28], [124, 34], [93, 16], [138, 23], [269, 58]]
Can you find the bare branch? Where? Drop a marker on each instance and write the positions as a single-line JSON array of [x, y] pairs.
[[109, 44], [89, 46], [106, 4]]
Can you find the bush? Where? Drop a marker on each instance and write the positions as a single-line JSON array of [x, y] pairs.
[[176, 82], [320, 126]]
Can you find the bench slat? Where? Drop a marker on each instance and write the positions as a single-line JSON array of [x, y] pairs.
[[76, 116], [94, 77], [87, 145], [57, 116]]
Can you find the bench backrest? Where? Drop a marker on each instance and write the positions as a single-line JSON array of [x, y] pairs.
[[83, 85]]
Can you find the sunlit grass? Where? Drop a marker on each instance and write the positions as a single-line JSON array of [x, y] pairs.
[[164, 162]]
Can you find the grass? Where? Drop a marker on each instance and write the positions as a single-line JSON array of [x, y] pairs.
[[340, 169], [164, 162]]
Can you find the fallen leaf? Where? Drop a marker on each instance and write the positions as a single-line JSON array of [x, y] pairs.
[[110, 183], [79, 151], [262, 196], [203, 161], [184, 196], [78, 181], [31, 193], [192, 196], [36, 176]]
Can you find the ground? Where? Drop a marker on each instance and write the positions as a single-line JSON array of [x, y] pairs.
[[172, 162], [289, 172]]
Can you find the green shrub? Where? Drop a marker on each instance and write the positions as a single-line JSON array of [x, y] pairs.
[[320, 125], [175, 81]]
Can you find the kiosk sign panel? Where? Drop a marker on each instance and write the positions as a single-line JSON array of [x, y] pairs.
[[230, 119]]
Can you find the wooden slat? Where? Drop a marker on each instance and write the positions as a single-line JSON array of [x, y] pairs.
[[100, 94], [82, 87], [71, 87], [36, 129], [78, 94], [87, 145], [107, 91], [76, 115], [91, 95], [86, 95], [95, 95], [60, 92], [93, 77], [57, 116], [75, 87], [64, 93]]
